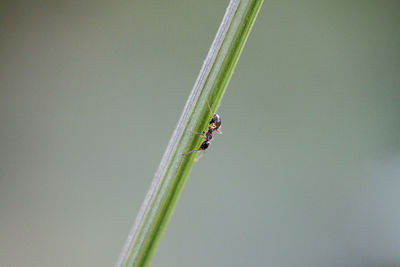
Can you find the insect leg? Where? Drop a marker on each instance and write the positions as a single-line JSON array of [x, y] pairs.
[[191, 151], [200, 156]]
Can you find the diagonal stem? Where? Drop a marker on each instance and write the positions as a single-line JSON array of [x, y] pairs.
[[174, 168]]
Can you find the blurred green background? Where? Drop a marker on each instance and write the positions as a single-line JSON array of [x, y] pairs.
[[307, 172]]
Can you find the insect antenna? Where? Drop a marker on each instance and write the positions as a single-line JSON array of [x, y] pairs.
[[209, 107]]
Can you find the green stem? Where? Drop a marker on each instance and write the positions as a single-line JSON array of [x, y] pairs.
[[174, 168]]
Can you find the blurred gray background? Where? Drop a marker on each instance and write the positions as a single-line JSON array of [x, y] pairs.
[[307, 172]]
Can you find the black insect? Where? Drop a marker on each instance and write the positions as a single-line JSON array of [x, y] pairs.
[[214, 126]]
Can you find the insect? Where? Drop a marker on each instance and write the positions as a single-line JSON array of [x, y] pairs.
[[214, 126]]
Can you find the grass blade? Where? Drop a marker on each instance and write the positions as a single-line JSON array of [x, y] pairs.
[[174, 168]]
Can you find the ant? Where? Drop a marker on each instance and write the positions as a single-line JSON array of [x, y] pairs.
[[214, 125]]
